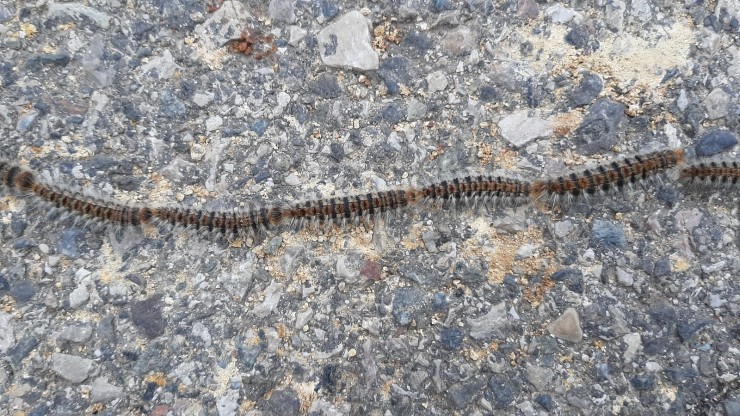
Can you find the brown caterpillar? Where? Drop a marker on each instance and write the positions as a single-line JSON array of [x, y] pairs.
[[477, 189], [715, 173]]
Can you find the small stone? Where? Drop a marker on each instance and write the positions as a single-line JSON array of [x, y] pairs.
[[407, 304], [519, 129], [502, 388], [469, 274], [102, 391], [282, 402], [228, 404], [272, 247], [608, 235], [578, 37], [715, 141], [460, 41], [715, 301], [79, 296], [634, 345], [203, 99], [197, 152], [643, 382], [559, 13], [567, 327], [393, 113], [76, 333], [732, 406], [292, 179], [214, 123], [71, 367], [546, 402], [7, 333], [22, 291], [271, 295], [78, 11], [147, 316], [416, 110], [687, 330], [563, 228], [163, 67], [490, 325], [346, 43], [26, 120], [624, 277], [463, 394], [22, 348], [452, 338], [540, 377], [598, 130], [436, 81], [717, 104], [296, 35], [587, 91], [282, 11]]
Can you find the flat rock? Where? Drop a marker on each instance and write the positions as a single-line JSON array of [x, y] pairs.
[[346, 43], [78, 11], [567, 327], [71, 367], [490, 324], [519, 128], [102, 391]]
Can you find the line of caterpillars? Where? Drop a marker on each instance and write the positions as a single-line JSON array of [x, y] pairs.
[[480, 189]]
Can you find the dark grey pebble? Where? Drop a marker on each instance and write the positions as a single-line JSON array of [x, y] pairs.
[[598, 130], [407, 304], [546, 402], [260, 127], [18, 227], [417, 40], [147, 316], [662, 267], [329, 377], [452, 338], [643, 382], [439, 302], [578, 37], [602, 371], [442, 5], [668, 195], [394, 72], [715, 141], [24, 244], [21, 350], [608, 235], [502, 388], [587, 91], [470, 274], [393, 113], [687, 330], [337, 151], [170, 105], [23, 291], [488, 94], [39, 410], [4, 285], [326, 86], [69, 243], [462, 394], [283, 402], [571, 278], [60, 58], [732, 407]]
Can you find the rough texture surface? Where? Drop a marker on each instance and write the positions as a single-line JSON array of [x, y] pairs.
[[430, 312]]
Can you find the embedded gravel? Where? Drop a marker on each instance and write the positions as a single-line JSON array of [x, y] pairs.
[[627, 304]]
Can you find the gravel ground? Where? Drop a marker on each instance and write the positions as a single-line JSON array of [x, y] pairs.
[[624, 305]]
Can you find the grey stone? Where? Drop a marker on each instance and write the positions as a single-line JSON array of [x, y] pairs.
[[608, 235], [489, 325], [578, 37], [559, 13], [503, 390], [567, 327], [599, 127], [223, 25], [78, 296], [271, 248], [346, 43], [587, 91], [540, 377], [407, 304], [202, 99], [76, 333], [687, 330], [436, 81], [460, 41], [71, 367], [717, 104], [102, 391], [283, 402], [228, 404], [563, 228], [296, 35], [214, 123], [416, 110], [452, 338], [290, 260], [7, 332], [641, 10], [624, 277], [714, 142], [26, 120], [22, 291], [634, 345], [519, 128], [78, 11], [271, 297], [732, 406], [463, 394], [238, 279], [282, 11], [147, 316]]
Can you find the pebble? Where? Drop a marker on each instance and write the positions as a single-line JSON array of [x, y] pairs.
[[416, 110], [436, 81], [587, 91], [237, 280], [559, 13], [102, 391], [598, 130], [346, 43], [540, 377], [147, 316], [469, 274], [490, 325], [78, 11], [578, 37], [296, 35], [71, 367], [76, 333], [634, 345], [22, 291], [282, 402], [463, 394], [732, 406], [608, 235], [452, 338], [21, 349], [717, 104], [214, 123], [687, 330], [567, 327], [282, 11], [78, 296], [203, 99], [271, 248], [459, 41], [222, 25], [271, 295], [26, 121], [502, 388], [624, 277], [228, 404], [393, 113], [643, 382], [395, 72], [163, 67], [563, 228], [546, 402], [408, 303], [519, 128], [7, 333], [715, 141]]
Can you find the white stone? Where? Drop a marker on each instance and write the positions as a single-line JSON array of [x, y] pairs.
[[346, 43]]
